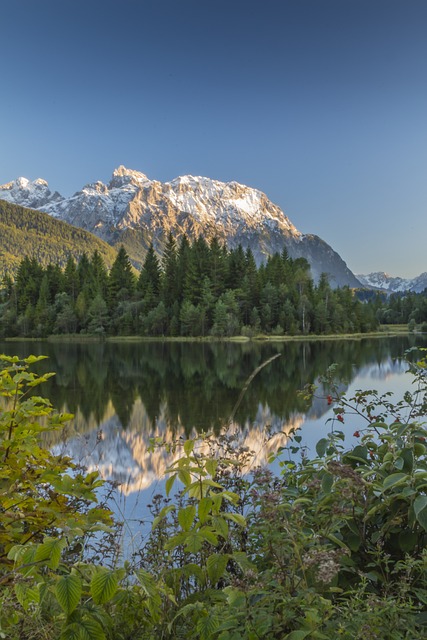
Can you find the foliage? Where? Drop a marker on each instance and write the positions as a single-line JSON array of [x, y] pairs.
[[51, 523], [332, 547], [195, 290], [33, 234], [404, 308]]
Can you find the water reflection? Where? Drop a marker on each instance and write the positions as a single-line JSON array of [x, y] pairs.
[[124, 394]]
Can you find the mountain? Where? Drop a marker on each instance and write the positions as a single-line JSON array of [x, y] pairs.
[[384, 282], [134, 210], [24, 232]]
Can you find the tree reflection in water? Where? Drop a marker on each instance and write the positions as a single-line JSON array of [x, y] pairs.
[[123, 394]]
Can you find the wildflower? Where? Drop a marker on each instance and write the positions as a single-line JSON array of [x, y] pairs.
[[356, 434], [340, 418], [329, 399]]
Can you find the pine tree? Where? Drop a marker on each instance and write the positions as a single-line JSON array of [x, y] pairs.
[[28, 281], [169, 285], [149, 279], [183, 259], [236, 267], [98, 276], [217, 268], [121, 280], [71, 279]]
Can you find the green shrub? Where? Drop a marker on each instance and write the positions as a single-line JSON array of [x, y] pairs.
[[333, 547]]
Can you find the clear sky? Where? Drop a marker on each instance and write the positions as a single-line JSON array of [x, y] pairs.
[[321, 104]]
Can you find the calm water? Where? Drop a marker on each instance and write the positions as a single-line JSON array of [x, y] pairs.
[[124, 394]]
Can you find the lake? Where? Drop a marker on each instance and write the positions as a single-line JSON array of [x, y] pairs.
[[123, 394]]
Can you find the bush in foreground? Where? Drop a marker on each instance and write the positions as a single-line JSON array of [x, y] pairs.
[[332, 548]]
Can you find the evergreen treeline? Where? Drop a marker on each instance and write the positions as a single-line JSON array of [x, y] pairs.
[[197, 289], [24, 232], [408, 308]]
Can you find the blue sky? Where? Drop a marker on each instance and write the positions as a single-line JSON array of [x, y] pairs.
[[321, 104]]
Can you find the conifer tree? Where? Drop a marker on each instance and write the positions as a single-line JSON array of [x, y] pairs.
[[98, 276], [149, 279], [217, 268], [183, 259], [121, 280], [236, 267], [169, 265], [71, 279]]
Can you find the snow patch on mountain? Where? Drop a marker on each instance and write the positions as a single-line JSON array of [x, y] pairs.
[[384, 282], [34, 195]]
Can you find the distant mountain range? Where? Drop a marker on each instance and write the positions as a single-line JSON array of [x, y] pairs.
[[384, 282], [133, 210]]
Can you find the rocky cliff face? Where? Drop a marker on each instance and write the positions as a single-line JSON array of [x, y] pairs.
[[196, 206]]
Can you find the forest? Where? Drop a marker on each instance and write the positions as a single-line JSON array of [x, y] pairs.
[[195, 290], [26, 232]]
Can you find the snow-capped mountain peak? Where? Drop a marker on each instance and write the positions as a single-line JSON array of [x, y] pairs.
[[192, 205], [33, 194], [383, 281], [123, 176]]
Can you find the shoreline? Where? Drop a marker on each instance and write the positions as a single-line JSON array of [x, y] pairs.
[[385, 332]]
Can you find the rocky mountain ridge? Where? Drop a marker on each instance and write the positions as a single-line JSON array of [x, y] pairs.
[[134, 210], [384, 282]]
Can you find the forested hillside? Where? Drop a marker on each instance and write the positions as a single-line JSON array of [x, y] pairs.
[[197, 289], [24, 232]]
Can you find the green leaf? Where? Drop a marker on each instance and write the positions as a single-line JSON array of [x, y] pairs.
[[192, 569], [186, 517], [243, 561], [419, 449], [360, 451], [237, 518], [148, 584], [175, 541], [188, 447], [420, 509], [407, 458], [169, 483], [321, 447], [353, 541], [209, 535], [32, 359], [85, 629], [193, 541], [204, 509], [68, 592], [408, 540], [195, 490], [185, 477], [336, 541], [394, 479], [211, 466], [298, 635], [221, 526], [103, 585], [327, 482], [50, 550], [207, 624], [26, 595], [216, 566]]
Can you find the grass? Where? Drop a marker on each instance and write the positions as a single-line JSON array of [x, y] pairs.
[[383, 331]]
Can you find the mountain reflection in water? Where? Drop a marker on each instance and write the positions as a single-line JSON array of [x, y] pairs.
[[124, 394]]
